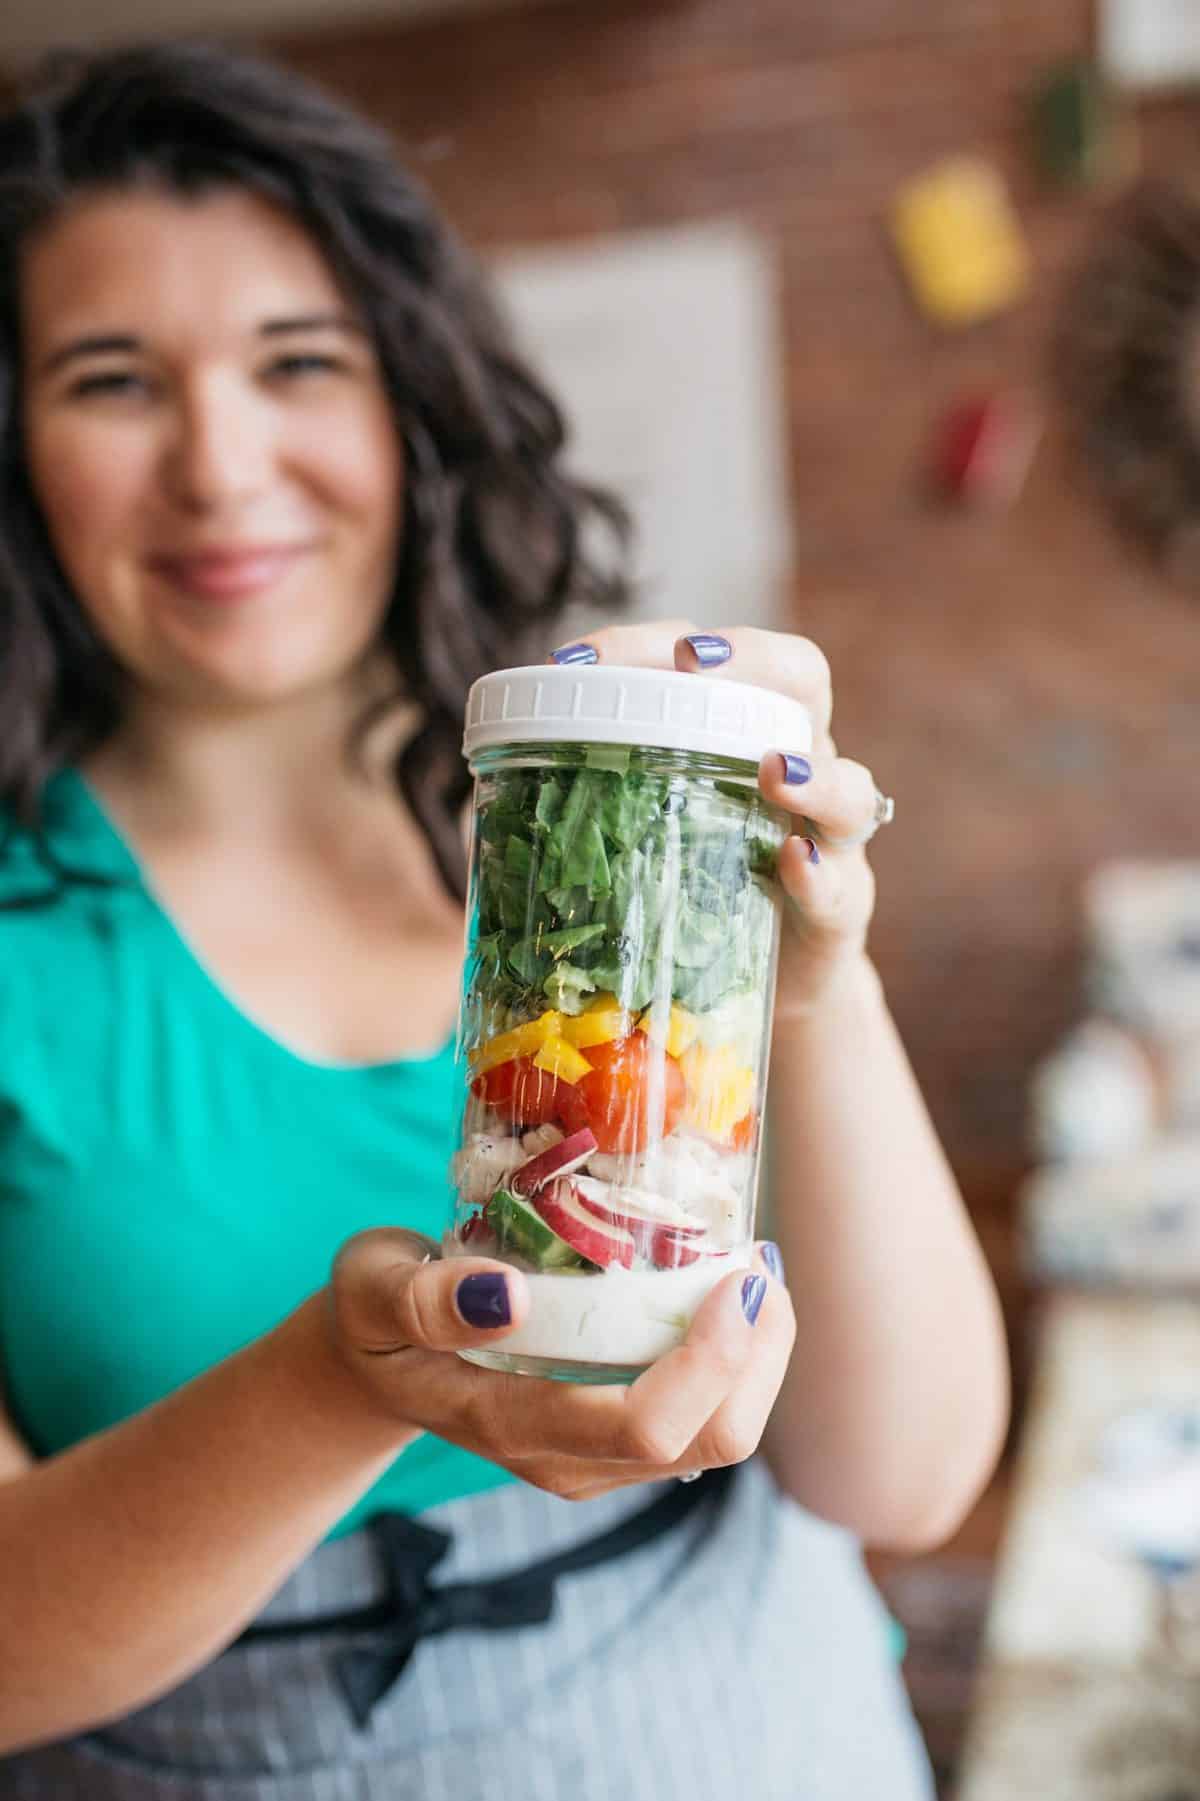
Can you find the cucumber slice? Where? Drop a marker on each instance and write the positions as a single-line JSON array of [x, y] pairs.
[[519, 1226]]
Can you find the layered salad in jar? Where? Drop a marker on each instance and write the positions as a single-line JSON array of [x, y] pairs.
[[615, 1025]]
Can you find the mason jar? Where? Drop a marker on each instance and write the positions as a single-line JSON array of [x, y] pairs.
[[622, 936]]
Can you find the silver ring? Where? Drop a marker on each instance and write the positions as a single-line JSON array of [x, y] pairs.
[[692, 1476], [883, 814]]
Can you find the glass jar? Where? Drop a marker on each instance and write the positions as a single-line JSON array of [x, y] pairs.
[[622, 936]]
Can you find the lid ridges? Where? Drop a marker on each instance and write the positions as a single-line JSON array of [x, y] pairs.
[[605, 704]]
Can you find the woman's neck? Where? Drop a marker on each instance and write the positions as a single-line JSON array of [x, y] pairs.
[[264, 771]]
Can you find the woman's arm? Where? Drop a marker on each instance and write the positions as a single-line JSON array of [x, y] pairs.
[[129, 1560], [895, 1404], [896, 1398]]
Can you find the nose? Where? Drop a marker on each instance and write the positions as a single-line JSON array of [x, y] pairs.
[[220, 452]]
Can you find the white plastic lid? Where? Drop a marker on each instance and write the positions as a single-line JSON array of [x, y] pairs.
[[603, 704]]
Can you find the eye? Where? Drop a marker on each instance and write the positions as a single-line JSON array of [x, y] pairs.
[[308, 362], [109, 381]]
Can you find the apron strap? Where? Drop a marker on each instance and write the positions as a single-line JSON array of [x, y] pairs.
[[414, 1608]]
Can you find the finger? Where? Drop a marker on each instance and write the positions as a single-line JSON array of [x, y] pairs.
[[736, 1428], [575, 1479], [737, 1424], [647, 646], [834, 892], [390, 1293], [670, 1404], [510, 1418], [783, 661], [837, 797]]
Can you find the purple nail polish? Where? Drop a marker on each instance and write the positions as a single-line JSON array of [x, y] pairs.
[[754, 1289], [772, 1257], [813, 854], [796, 770], [575, 653], [710, 648], [483, 1300]]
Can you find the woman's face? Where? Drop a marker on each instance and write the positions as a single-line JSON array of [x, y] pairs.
[[211, 444]]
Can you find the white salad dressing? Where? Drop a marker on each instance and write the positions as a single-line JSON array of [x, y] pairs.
[[622, 1318]]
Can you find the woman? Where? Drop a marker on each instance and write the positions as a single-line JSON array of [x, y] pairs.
[[277, 490]]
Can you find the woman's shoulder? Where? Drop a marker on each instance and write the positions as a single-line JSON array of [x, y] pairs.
[[31, 946], [64, 909], [49, 861], [26, 875]]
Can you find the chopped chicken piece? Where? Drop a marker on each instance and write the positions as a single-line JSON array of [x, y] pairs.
[[483, 1164]]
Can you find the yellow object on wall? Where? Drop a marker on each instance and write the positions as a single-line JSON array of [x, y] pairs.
[[960, 242]]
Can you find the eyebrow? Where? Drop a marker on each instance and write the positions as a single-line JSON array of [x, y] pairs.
[[123, 343], [93, 346], [275, 328]]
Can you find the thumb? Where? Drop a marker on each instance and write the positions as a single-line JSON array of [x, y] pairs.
[[392, 1289]]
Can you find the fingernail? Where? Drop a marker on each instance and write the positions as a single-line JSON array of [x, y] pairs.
[[575, 653], [483, 1300], [753, 1290], [811, 851], [772, 1257], [795, 769], [710, 648]]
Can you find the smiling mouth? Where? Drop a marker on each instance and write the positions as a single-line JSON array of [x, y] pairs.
[[229, 574]]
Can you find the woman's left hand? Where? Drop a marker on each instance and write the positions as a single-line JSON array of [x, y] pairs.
[[828, 883]]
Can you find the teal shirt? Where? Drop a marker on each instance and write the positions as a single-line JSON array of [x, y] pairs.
[[173, 1181]]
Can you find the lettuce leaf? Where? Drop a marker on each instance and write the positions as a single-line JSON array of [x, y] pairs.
[[607, 876]]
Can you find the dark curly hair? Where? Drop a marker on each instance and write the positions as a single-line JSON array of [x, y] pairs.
[[1127, 368], [497, 539]]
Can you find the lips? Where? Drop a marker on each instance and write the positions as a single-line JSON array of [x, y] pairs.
[[228, 574]]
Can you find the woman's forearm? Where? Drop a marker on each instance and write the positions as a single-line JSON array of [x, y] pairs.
[[131, 1559], [896, 1400]]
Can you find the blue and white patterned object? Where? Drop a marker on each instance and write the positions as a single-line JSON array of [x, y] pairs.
[[743, 1657]]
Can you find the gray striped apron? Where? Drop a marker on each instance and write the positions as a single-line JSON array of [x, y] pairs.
[[742, 1656]]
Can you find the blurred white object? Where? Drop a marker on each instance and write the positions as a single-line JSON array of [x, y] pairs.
[[665, 348], [1143, 930], [1133, 1219], [1089, 1681], [1095, 1096], [1180, 1064], [1145, 1498], [1150, 1439], [1150, 43]]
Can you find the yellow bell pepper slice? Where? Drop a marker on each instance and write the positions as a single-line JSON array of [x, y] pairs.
[[562, 1061], [681, 1032], [598, 1025], [720, 1091], [521, 1041]]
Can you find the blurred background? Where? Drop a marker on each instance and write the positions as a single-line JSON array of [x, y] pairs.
[[797, 266]]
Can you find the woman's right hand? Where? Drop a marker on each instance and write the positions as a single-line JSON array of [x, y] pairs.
[[398, 1318]]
